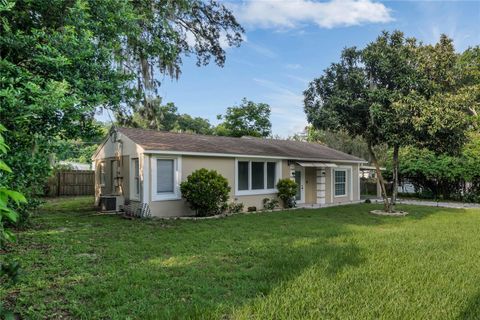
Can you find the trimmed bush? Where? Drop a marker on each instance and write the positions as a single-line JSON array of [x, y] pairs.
[[252, 209], [270, 204], [287, 189], [206, 192]]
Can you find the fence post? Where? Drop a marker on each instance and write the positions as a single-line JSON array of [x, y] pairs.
[[58, 183]]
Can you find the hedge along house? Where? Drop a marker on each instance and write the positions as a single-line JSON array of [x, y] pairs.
[[141, 170]]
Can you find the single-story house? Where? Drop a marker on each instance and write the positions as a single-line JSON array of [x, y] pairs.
[[141, 170]]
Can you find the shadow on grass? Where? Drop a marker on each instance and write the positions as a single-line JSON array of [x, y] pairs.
[[472, 311], [206, 268]]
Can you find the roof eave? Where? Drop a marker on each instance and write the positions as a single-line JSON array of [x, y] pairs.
[[234, 155]]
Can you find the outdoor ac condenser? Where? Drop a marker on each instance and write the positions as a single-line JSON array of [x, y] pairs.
[[111, 203]]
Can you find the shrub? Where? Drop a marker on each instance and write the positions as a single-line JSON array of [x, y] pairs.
[[270, 204], [235, 207], [206, 192], [368, 201], [287, 189], [472, 197], [252, 209]]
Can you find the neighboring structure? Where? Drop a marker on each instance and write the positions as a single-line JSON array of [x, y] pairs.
[[142, 170], [75, 165]]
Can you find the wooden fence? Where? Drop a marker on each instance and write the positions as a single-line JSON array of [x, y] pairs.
[[71, 183], [368, 187]]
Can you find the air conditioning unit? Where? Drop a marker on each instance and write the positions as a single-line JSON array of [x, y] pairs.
[[111, 203]]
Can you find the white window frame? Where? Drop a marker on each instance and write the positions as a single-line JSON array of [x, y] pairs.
[[133, 194], [102, 175], [334, 182], [177, 167], [250, 191]]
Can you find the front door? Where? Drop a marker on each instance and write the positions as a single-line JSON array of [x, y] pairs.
[[300, 180]]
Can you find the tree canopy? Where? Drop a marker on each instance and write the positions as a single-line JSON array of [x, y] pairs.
[[166, 118], [247, 119], [396, 92], [61, 60], [443, 175]]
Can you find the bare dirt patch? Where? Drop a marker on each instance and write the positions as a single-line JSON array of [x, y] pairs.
[[390, 214]]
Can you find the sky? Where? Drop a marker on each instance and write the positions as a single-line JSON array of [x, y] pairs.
[[288, 43]]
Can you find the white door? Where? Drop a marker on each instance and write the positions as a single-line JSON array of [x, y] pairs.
[[300, 180]]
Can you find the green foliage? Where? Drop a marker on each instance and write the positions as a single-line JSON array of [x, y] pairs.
[[235, 207], [287, 189], [270, 204], [187, 123], [79, 150], [62, 60], [247, 119], [166, 118], [9, 268], [206, 191], [444, 175], [159, 33], [397, 92], [341, 140]]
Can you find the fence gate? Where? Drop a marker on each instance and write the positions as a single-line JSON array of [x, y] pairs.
[[71, 183]]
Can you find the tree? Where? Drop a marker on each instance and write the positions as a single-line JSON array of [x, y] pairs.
[[341, 140], [386, 93], [61, 61], [441, 174], [166, 118], [79, 150], [156, 117], [163, 31], [8, 268], [187, 123], [247, 119]]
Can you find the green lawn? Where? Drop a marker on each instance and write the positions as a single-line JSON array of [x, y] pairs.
[[335, 263]]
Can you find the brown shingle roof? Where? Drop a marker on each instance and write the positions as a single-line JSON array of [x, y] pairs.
[[186, 142]]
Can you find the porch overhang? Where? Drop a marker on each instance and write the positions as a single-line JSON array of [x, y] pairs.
[[367, 168], [317, 164]]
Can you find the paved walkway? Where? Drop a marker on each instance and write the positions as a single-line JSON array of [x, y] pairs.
[[430, 203]]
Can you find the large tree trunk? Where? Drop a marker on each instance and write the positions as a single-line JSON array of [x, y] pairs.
[[381, 181], [395, 178]]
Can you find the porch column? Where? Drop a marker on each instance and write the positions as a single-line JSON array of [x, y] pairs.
[[321, 186], [292, 172]]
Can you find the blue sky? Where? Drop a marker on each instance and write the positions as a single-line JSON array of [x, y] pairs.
[[289, 43]]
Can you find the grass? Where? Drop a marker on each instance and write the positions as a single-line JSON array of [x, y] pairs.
[[334, 263]]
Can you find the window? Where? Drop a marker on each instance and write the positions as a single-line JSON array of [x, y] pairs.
[[258, 169], [256, 177], [165, 181], [271, 175], [102, 173], [113, 175], [243, 175], [166, 177], [136, 177], [340, 183]]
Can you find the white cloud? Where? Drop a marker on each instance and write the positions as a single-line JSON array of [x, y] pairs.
[[191, 39], [292, 13]]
